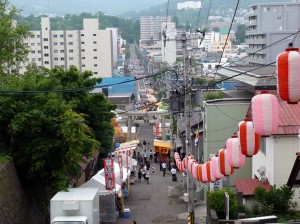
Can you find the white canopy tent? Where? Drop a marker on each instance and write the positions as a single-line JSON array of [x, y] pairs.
[[98, 180]]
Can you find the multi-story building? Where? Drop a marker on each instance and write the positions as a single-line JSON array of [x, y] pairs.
[[169, 44], [150, 28], [87, 49], [268, 24], [116, 43], [189, 5]]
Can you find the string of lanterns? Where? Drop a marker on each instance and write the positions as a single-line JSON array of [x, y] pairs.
[[246, 144]]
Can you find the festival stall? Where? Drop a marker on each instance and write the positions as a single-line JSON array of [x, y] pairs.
[[161, 149]]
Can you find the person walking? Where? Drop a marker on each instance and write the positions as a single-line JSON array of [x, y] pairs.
[[173, 172], [145, 157], [139, 175], [164, 166], [147, 176], [144, 144]]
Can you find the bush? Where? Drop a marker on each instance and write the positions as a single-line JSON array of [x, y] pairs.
[[215, 200], [277, 201], [4, 158], [214, 95]]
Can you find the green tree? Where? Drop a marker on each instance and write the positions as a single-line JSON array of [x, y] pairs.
[[13, 49], [215, 200], [277, 201], [49, 133], [241, 34]]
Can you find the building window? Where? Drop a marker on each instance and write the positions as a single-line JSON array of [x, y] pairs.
[[39, 59], [83, 65], [82, 42], [32, 52], [71, 51], [55, 43], [95, 42], [70, 43], [82, 35], [55, 59], [71, 58], [45, 39], [46, 47], [95, 49], [32, 59], [95, 65], [94, 35], [70, 35], [39, 51], [267, 9], [95, 73], [38, 44], [279, 18], [83, 58], [61, 43], [46, 55], [62, 58], [61, 35], [55, 51], [55, 36], [263, 145], [95, 57], [32, 44], [83, 50], [62, 51], [38, 36], [47, 62]]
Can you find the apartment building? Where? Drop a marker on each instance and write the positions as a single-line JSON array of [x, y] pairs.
[[150, 27], [169, 45], [267, 24], [87, 49]]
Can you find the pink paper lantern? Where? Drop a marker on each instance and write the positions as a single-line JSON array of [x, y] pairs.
[[199, 173], [214, 165], [194, 170], [265, 114], [204, 173], [224, 166], [288, 79], [210, 177], [249, 140], [190, 164], [235, 158]]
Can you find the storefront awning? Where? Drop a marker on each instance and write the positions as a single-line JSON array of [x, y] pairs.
[[164, 144]]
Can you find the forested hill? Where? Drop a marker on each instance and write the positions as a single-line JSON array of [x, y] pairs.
[[128, 28]]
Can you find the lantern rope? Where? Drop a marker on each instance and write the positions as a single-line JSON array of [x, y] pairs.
[[291, 44]]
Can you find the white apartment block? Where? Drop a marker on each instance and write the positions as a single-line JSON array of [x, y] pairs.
[[116, 43], [189, 5], [150, 27], [169, 46], [87, 49]]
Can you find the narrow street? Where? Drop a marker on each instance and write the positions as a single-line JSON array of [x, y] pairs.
[[150, 203]]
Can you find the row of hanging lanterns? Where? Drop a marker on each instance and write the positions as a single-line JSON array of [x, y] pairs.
[[246, 144]]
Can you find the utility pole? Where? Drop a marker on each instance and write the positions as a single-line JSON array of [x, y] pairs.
[[187, 106]]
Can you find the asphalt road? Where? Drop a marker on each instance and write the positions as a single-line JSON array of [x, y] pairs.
[[150, 203]]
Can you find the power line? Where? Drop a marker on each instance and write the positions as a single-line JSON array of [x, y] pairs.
[[32, 92]]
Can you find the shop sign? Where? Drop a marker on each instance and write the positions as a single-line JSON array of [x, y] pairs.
[[109, 174]]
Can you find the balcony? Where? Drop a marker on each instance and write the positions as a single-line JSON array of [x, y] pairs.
[[251, 32], [252, 13], [256, 41]]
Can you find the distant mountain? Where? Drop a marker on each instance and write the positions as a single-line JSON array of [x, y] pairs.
[[62, 7], [121, 8]]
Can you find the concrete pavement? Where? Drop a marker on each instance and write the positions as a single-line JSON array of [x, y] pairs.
[[161, 200]]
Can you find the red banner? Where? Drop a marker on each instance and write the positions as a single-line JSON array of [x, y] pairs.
[[121, 167], [109, 174]]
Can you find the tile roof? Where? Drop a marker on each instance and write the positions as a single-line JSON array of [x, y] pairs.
[[248, 186]]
